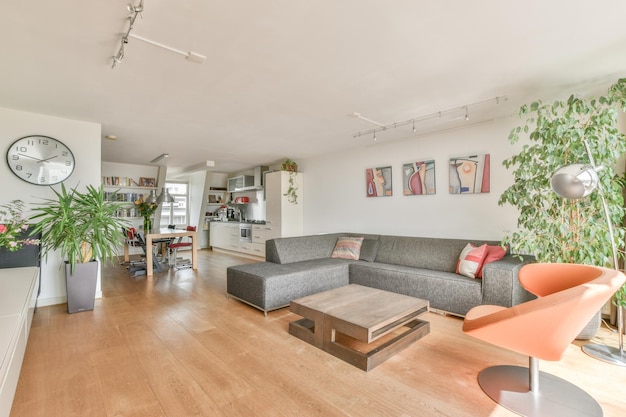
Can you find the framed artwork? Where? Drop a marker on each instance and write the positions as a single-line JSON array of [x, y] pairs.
[[147, 182], [378, 182], [469, 174], [418, 178]]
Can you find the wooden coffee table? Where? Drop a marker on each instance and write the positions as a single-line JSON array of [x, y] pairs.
[[361, 325]]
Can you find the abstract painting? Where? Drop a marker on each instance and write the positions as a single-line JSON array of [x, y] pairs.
[[378, 182], [418, 178], [469, 174]]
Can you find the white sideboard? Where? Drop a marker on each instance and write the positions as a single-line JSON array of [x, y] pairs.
[[18, 295]]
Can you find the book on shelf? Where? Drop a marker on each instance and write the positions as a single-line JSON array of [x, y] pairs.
[[120, 181], [123, 197]]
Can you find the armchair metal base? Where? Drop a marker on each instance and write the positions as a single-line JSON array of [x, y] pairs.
[[509, 386]]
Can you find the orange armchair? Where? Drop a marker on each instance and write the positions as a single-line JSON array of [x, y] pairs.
[[568, 297]]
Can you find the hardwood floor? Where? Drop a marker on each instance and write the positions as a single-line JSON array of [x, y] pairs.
[[174, 345]]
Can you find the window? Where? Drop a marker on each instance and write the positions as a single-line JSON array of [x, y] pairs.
[[176, 213]]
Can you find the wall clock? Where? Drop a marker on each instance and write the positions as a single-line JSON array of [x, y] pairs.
[[40, 160]]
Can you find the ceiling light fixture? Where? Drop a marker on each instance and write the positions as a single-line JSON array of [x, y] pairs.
[[191, 56], [358, 116], [160, 157], [415, 120], [111, 137], [165, 197], [135, 9], [134, 12]]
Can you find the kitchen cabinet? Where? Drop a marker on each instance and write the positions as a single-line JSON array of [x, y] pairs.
[[219, 235], [239, 182], [282, 218], [226, 235], [233, 236], [258, 239]]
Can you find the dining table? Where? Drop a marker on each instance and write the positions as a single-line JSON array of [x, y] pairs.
[[166, 233]]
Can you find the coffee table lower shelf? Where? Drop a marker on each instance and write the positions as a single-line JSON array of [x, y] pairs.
[[365, 347], [360, 354]]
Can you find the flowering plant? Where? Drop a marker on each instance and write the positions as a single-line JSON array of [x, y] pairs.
[[145, 209], [12, 226]]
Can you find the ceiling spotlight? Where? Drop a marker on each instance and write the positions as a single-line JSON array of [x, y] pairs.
[[413, 125], [466, 113], [135, 9], [160, 157], [111, 137]]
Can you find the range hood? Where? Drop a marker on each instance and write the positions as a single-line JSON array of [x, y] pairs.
[[257, 182]]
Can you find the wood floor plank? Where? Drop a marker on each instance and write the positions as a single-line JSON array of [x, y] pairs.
[[125, 390], [175, 345], [178, 393]]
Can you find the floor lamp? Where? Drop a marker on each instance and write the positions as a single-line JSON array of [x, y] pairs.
[[578, 181]]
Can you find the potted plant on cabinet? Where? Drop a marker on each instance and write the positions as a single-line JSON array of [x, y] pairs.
[[292, 191], [83, 227], [552, 228]]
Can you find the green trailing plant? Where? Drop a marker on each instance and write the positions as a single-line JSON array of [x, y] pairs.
[[552, 228], [81, 225], [292, 190]]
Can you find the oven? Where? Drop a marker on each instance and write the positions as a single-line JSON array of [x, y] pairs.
[[245, 232]]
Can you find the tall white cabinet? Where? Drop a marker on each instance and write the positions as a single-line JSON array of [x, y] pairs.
[[282, 218]]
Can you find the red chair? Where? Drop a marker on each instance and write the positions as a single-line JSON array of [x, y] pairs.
[[569, 296], [173, 251]]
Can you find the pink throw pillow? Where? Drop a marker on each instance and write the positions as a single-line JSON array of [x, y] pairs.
[[471, 260], [347, 248], [494, 253]]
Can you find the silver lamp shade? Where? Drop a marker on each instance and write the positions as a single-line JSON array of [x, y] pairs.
[[152, 198], [165, 196], [574, 181]]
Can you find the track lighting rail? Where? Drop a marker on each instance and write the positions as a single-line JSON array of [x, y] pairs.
[[437, 115]]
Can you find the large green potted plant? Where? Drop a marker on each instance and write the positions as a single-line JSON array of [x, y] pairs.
[[552, 228], [83, 227]]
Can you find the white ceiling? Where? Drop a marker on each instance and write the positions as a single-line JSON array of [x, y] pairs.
[[282, 76]]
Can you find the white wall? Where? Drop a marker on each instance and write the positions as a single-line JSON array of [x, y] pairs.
[[83, 139], [335, 187]]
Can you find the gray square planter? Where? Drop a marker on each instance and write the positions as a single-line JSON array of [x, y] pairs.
[[81, 286]]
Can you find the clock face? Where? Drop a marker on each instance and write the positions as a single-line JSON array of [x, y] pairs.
[[40, 160]]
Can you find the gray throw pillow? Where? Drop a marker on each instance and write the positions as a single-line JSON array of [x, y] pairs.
[[369, 249]]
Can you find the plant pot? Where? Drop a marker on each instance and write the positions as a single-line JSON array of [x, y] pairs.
[[81, 286], [591, 328]]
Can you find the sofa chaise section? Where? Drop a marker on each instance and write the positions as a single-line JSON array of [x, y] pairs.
[[270, 286]]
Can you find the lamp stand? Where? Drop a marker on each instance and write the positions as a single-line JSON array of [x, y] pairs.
[[605, 353]]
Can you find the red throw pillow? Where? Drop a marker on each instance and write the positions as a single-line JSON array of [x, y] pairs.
[[494, 253], [471, 260]]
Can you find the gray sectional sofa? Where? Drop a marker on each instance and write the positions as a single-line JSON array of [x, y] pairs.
[[415, 266]]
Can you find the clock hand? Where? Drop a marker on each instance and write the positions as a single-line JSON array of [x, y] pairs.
[[46, 160], [31, 157]]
